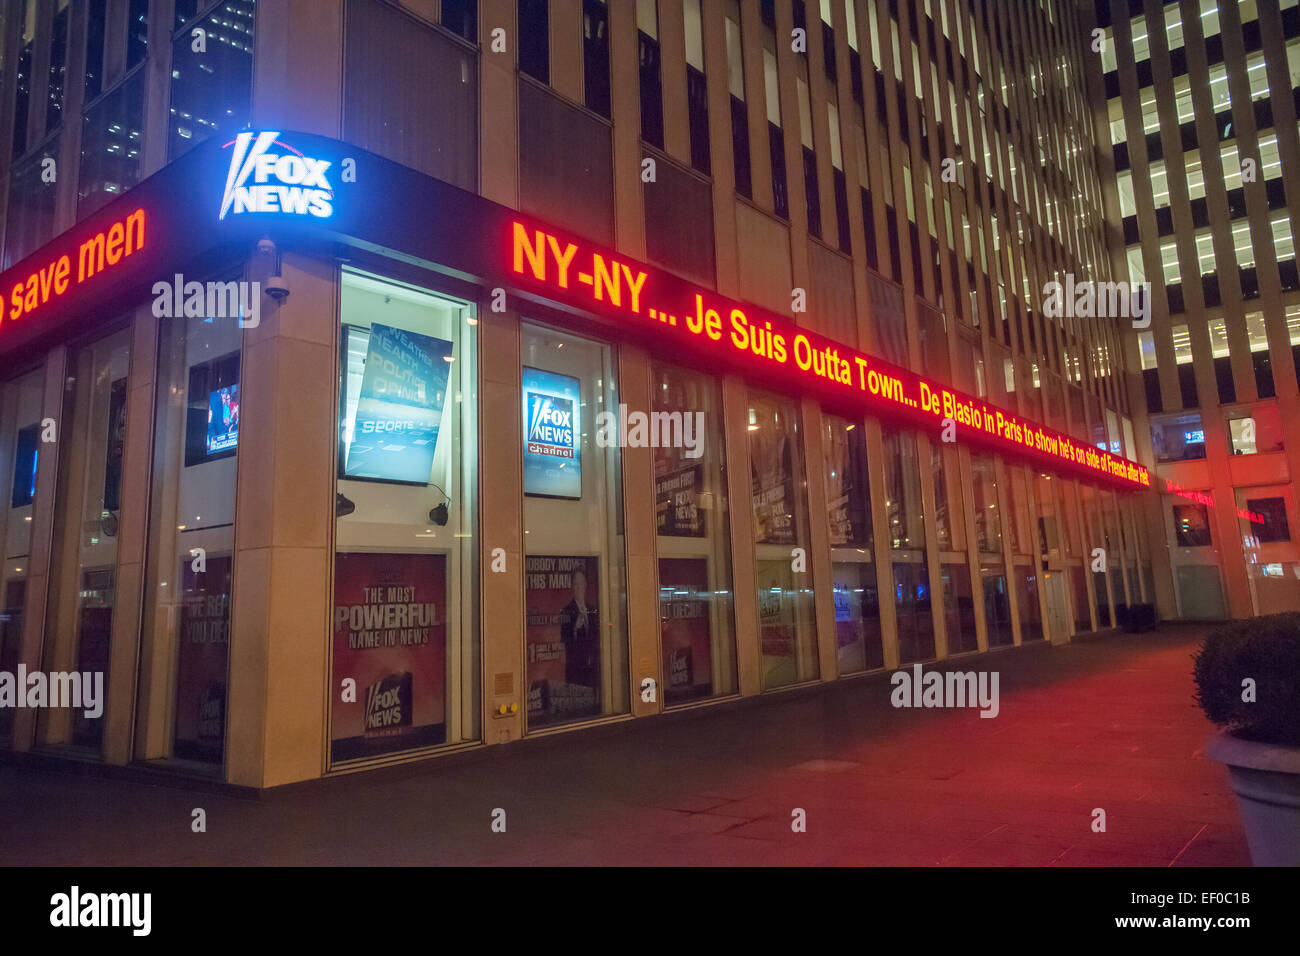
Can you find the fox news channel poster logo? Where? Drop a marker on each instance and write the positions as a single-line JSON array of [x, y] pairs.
[[399, 411], [562, 637], [685, 627], [267, 175], [201, 659], [390, 636], [552, 456]]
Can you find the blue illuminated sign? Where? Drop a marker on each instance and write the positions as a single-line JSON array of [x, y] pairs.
[[269, 176]]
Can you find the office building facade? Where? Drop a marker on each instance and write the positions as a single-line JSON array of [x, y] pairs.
[[382, 380]]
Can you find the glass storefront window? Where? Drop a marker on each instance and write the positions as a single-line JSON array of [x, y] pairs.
[[988, 527], [405, 622], [959, 609], [1031, 618], [575, 591], [997, 606], [1079, 589], [1191, 526], [184, 656], [948, 525], [1255, 431], [79, 621], [854, 589], [912, 598], [696, 625], [787, 632], [1178, 437], [20, 444]]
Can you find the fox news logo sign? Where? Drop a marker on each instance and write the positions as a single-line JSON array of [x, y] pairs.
[[550, 425], [263, 180]]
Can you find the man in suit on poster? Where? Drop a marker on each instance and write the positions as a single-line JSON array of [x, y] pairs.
[[580, 632]]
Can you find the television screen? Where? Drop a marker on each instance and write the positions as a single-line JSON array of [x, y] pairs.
[[393, 401], [552, 457], [223, 419], [1196, 437], [212, 410], [24, 488]]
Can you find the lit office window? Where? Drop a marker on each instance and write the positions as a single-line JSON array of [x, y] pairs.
[[1178, 437], [110, 145], [739, 111], [211, 90]]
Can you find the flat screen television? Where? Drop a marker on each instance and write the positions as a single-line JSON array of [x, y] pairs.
[[552, 434], [212, 415], [391, 401]]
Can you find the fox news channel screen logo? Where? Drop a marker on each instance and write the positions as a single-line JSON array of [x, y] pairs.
[[270, 176], [552, 465]]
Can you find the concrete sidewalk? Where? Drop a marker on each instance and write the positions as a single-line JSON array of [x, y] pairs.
[[1107, 722]]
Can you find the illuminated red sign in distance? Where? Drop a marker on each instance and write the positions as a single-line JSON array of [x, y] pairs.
[[746, 336], [1201, 498], [49, 281]]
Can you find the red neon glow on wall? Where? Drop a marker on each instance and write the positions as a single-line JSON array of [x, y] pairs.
[[745, 337], [99, 253], [1201, 498]]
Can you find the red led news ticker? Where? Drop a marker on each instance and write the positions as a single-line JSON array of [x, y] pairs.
[[744, 336], [1201, 498]]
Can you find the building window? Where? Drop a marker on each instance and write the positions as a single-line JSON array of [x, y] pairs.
[[535, 39], [697, 93], [83, 567], [907, 543], [697, 630], [1178, 437], [997, 607], [1191, 526], [575, 590], [186, 634], [405, 525], [461, 18], [787, 633], [137, 41], [96, 26], [31, 206], [848, 497], [959, 609], [988, 526], [739, 109], [595, 55], [211, 92], [1274, 525], [1255, 431], [20, 443], [651, 86], [410, 93], [111, 136], [58, 66]]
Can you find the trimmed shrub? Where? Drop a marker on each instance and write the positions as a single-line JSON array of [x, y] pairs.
[[1267, 650]]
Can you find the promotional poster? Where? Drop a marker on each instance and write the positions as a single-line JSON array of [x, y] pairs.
[[772, 482], [847, 495], [390, 637], [562, 594], [552, 431], [685, 627], [399, 409], [201, 659], [116, 443]]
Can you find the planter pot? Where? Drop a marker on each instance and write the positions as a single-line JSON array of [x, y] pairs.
[[1266, 780]]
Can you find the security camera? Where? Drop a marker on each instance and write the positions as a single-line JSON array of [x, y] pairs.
[[275, 287], [266, 247]]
